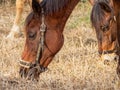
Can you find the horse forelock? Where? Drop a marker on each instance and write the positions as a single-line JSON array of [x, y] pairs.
[[98, 15]]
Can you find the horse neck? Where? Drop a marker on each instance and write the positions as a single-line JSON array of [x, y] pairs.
[[62, 16], [68, 10]]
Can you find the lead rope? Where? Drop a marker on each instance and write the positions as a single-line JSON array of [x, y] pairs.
[[42, 38], [43, 29]]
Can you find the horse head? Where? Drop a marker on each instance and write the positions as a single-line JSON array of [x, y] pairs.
[[103, 18]]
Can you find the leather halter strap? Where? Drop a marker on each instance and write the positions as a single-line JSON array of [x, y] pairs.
[[115, 50], [40, 50], [109, 51], [25, 64]]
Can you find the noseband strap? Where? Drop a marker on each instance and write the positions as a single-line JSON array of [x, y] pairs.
[[109, 51], [25, 64], [115, 50]]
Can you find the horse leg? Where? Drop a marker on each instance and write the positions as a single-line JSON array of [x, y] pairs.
[[15, 28]]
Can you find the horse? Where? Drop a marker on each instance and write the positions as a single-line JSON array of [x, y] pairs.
[[15, 30], [44, 35], [105, 19]]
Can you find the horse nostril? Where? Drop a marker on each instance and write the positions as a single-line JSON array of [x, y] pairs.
[[116, 58]]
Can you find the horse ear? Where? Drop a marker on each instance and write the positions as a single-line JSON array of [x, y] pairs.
[[105, 6], [36, 6]]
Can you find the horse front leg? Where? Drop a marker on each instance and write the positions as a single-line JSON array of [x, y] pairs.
[[15, 28]]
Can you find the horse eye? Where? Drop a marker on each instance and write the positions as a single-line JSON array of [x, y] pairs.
[[31, 35], [104, 28]]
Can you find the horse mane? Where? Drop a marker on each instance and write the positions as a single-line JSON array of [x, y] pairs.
[[51, 6], [98, 14]]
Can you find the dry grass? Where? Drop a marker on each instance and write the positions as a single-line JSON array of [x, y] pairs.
[[76, 67]]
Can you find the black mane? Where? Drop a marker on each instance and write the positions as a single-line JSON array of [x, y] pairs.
[[98, 14], [51, 6]]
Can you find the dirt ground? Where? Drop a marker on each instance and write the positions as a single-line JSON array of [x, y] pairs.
[[76, 67]]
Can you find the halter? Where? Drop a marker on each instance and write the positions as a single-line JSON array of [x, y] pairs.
[[109, 51], [40, 50], [106, 26]]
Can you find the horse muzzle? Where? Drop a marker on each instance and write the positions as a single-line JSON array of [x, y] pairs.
[[110, 57], [30, 71]]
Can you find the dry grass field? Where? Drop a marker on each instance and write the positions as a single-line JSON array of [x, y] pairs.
[[76, 67]]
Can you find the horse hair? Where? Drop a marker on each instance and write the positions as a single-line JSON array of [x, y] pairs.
[[98, 14], [51, 6]]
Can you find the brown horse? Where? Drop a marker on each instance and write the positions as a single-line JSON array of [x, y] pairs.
[[105, 19], [44, 35]]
